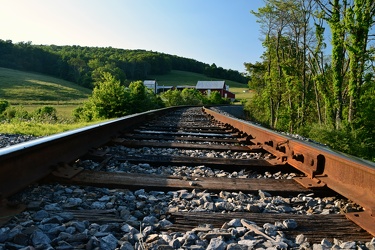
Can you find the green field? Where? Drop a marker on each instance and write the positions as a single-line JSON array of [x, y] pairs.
[[26, 88], [181, 78], [33, 90]]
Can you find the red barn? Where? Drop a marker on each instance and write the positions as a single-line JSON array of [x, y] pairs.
[[208, 86]]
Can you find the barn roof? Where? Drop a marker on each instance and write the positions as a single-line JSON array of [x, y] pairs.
[[210, 85], [149, 82]]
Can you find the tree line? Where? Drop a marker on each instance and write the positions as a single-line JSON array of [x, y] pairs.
[[312, 85], [85, 65]]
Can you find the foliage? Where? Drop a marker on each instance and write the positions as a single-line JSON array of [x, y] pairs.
[[111, 99], [298, 87], [3, 105], [16, 113], [45, 114], [174, 97], [355, 142], [39, 128]]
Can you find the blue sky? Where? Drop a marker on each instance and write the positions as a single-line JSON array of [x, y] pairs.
[[223, 32]]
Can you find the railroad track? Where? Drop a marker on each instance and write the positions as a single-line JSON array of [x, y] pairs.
[[189, 170]]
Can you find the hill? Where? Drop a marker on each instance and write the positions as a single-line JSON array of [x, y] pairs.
[[25, 88], [181, 78]]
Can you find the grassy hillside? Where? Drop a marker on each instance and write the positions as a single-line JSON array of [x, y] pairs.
[[25, 88], [178, 78]]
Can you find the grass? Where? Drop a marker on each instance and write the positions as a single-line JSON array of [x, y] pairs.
[[39, 129], [26, 88], [64, 111], [181, 78]]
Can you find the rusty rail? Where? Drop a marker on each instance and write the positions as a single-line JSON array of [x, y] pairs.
[[349, 176], [26, 163]]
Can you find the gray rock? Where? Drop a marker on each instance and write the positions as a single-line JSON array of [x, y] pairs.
[[319, 247], [73, 202], [326, 243], [39, 238], [80, 225], [108, 242], [53, 207], [175, 243], [300, 239], [150, 220], [98, 205], [348, 245], [165, 223], [66, 216], [4, 234], [236, 246], [126, 246], [235, 223], [249, 243], [263, 194], [40, 215], [290, 224], [216, 244]]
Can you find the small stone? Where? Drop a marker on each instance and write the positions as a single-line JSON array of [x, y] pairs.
[[300, 239], [326, 243], [235, 223], [126, 246], [348, 245], [236, 246], [53, 207], [253, 208], [263, 194], [249, 243], [108, 242], [4, 234], [152, 238], [175, 243], [150, 220], [216, 244], [40, 215], [40, 238], [290, 224]]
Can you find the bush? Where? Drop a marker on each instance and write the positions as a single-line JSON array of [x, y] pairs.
[[355, 142], [45, 114], [3, 105], [16, 113]]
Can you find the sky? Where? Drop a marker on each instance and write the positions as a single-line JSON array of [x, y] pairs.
[[223, 32]]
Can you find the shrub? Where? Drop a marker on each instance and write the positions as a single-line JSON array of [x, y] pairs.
[[3, 105], [45, 114], [16, 113]]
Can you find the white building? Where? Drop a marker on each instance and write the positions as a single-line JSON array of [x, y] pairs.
[[151, 84]]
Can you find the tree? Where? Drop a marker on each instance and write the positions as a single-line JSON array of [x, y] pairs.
[[109, 98]]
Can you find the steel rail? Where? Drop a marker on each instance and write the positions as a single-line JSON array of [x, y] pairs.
[[351, 177], [28, 162]]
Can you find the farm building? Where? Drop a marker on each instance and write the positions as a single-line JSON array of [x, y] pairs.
[[151, 84], [207, 87]]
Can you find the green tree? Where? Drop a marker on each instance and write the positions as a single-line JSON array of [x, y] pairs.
[[109, 98], [142, 98]]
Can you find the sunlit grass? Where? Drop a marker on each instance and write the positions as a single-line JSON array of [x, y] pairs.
[[20, 87], [39, 129], [63, 111]]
